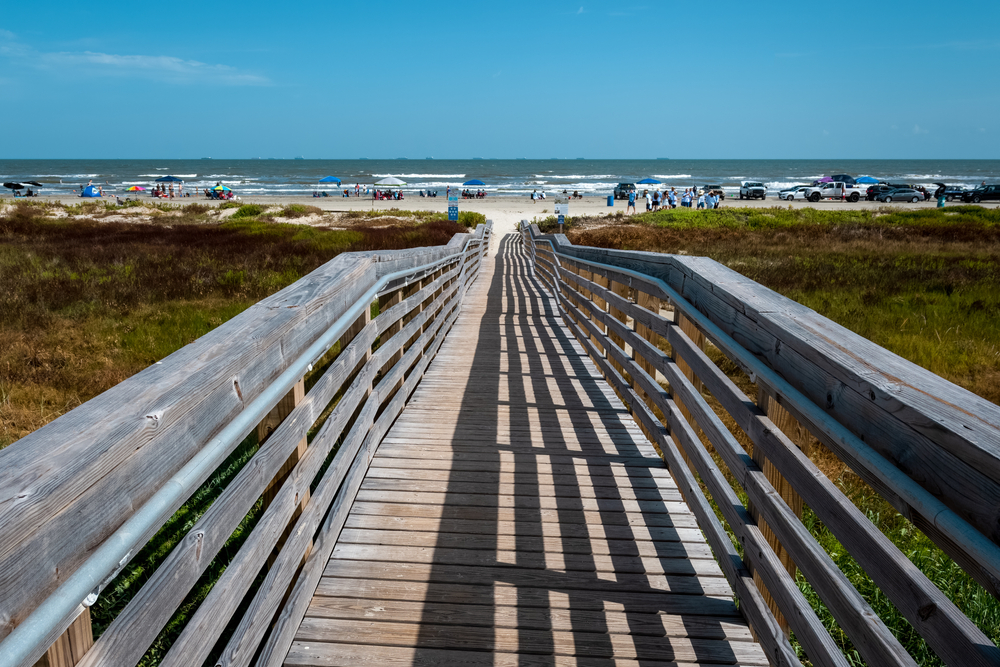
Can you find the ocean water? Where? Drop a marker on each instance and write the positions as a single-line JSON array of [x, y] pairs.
[[506, 178]]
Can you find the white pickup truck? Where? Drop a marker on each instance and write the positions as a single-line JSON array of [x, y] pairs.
[[834, 190]]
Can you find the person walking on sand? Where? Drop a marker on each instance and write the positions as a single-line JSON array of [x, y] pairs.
[[701, 200], [673, 197], [631, 202]]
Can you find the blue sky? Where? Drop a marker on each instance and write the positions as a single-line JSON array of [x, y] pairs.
[[505, 79]]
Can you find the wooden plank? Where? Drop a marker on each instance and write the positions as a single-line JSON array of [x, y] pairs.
[[526, 487], [566, 620], [579, 599], [529, 641], [313, 654]]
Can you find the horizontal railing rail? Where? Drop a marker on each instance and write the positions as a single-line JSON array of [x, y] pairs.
[[927, 446], [81, 496]]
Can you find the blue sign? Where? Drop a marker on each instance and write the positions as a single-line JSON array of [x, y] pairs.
[[453, 208]]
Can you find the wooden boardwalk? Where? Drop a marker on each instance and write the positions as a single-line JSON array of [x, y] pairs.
[[516, 515]]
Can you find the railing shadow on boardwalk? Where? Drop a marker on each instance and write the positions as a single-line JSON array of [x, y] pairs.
[[563, 401]]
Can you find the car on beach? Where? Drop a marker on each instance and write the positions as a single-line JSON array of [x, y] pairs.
[[953, 192], [900, 194], [753, 190], [622, 190], [982, 193], [835, 190], [794, 192]]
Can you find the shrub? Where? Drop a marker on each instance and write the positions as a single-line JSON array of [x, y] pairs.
[[249, 211]]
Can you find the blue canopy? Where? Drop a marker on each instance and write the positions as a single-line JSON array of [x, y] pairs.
[[91, 191], [169, 179], [866, 179], [474, 181], [329, 179], [649, 181]]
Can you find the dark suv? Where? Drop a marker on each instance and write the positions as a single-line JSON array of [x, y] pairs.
[[982, 193], [622, 190]]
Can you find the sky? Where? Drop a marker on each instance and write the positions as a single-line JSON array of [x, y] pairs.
[[737, 80]]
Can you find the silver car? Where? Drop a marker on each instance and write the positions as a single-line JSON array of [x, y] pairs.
[[798, 192], [900, 194]]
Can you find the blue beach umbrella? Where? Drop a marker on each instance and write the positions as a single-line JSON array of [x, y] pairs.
[[474, 181], [866, 179], [329, 179], [649, 181], [170, 179]]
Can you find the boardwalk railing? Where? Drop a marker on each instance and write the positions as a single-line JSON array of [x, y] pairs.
[[927, 446], [80, 497]]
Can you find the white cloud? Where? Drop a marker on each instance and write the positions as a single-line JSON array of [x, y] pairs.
[[919, 130], [167, 69]]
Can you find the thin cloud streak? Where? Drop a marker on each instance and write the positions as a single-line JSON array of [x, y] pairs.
[[167, 69]]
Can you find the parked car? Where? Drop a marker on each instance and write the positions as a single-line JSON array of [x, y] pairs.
[[623, 189], [753, 190], [950, 192], [982, 193], [875, 190], [795, 192], [716, 190], [834, 190], [900, 194]]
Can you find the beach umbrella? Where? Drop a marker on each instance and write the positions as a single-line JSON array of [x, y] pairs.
[[35, 183], [649, 181], [13, 186], [170, 179], [329, 179], [391, 181], [825, 179], [474, 181], [222, 188], [136, 188], [867, 179]]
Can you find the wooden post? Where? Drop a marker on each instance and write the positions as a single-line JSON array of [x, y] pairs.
[[385, 302], [652, 304], [268, 425], [624, 291], [69, 649], [698, 338], [787, 424], [601, 305]]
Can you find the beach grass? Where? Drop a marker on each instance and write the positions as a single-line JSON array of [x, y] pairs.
[[920, 283]]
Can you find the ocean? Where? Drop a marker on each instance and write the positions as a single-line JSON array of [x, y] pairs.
[[505, 178]]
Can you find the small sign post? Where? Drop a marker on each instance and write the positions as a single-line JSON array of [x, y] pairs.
[[562, 210], [453, 208]]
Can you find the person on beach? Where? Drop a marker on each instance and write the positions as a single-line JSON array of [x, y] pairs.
[[673, 197], [701, 199], [631, 202], [649, 201]]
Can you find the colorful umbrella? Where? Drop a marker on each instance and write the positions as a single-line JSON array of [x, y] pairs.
[[222, 188], [136, 188]]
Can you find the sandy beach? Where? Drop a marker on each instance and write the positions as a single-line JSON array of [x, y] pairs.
[[505, 212]]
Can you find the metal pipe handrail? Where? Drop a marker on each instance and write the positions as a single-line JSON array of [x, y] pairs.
[[83, 586]]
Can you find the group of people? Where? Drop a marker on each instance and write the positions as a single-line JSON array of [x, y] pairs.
[[669, 199], [469, 194], [576, 194], [163, 192], [388, 194], [429, 193], [537, 196]]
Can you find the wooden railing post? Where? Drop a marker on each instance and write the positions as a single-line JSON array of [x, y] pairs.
[[267, 426], [69, 649], [698, 338], [623, 291]]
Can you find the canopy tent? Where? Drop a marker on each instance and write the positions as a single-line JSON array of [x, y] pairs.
[[474, 181], [649, 181], [825, 179], [866, 179], [391, 181], [329, 179], [170, 179], [91, 191]]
